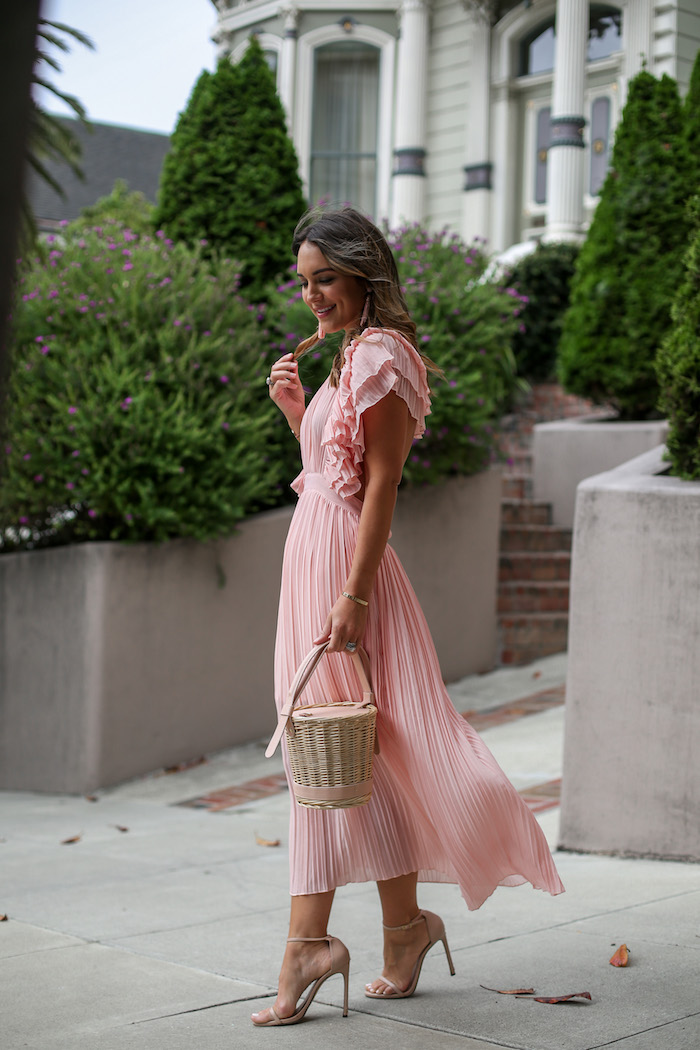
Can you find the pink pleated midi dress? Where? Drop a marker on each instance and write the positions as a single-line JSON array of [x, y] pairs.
[[441, 805]]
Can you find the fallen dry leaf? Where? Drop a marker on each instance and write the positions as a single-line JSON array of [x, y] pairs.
[[69, 842], [120, 827], [536, 674], [266, 842], [91, 798], [511, 991], [621, 956], [562, 998], [182, 766], [3, 918]]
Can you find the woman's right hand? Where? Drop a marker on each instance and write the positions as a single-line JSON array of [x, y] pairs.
[[286, 389]]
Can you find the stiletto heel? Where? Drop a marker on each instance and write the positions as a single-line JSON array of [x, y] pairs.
[[436, 932], [340, 964]]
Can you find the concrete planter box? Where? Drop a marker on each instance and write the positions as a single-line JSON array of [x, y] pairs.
[[569, 450], [632, 737], [116, 660]]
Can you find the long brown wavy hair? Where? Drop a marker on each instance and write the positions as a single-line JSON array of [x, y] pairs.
[[353, 245]]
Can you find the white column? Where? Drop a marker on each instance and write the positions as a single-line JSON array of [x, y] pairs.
[[288, 63], [566, 153], [411, 88], [638, 38], [476, 203]]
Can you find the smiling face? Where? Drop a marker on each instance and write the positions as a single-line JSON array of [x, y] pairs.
[[335, 298]]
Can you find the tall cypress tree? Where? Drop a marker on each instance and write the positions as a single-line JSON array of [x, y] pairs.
[[631, 262], [231, 175], [678, 363], [691, 123]]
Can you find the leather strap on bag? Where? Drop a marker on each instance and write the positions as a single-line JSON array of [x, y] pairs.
[[301, 679]]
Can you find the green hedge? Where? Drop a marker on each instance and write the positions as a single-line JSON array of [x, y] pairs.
[[544, 278], [137, 408]]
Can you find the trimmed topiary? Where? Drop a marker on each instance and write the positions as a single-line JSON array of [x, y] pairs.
[[631, 262], [231, 177], [678, 364], [544, 279]]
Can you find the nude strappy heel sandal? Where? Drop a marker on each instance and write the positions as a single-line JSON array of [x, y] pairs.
[[340, 963], [436, 932]]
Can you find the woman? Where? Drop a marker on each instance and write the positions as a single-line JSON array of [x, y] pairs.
[[442, 810]]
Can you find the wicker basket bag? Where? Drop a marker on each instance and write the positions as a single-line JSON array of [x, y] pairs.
[[331, 745]]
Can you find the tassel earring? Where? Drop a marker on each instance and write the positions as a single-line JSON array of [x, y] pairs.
[[365, 311], [321, 333]]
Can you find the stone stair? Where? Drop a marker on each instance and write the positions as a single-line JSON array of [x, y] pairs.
[[535, 555]]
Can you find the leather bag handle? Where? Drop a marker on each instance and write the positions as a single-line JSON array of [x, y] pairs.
[[301, 679]]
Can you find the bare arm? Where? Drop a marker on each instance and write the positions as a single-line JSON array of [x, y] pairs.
[[388, 429]]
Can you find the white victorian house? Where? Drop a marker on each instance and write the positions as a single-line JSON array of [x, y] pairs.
[[497, 123]]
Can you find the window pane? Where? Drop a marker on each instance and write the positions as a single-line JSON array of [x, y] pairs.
[[540, 57], [605, 34], [345, 122], [600, 136], [537, 53], [542, 143]]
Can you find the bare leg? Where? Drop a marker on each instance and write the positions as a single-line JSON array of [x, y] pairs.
[[302, 962], [401, 947]]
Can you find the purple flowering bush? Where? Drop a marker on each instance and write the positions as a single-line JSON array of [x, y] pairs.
[[137, 408], [466, 326]]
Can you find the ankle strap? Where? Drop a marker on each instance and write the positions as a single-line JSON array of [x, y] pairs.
[[326, 938], [406, 925]]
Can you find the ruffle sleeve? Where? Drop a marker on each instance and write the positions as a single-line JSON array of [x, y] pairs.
[[375, 364]]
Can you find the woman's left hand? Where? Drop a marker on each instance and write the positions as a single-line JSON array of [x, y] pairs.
[[345, 623]]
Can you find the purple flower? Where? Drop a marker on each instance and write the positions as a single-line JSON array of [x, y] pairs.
[[92, 513], [27, 455], [224, 426], [75, 452], [128, 266], [72, 410], [85, 471], [8, 450], [23, 520], [70, 485], [223, 379], [125, 404], [128, 517], [38, 478], [206, 333]]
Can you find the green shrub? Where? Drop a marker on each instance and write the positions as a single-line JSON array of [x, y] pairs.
[[119, 210], [231, 175], [678, 364], [137, 408], [630, 264], [544, 278], [465, 325]]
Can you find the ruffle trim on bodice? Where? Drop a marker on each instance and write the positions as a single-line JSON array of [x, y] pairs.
[[380, 361]]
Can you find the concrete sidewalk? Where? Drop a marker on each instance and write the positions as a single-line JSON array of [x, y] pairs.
[[163, 925]]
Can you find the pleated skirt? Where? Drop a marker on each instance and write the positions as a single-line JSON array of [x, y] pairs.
[[441, 805]]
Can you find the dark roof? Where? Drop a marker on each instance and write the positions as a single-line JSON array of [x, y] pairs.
[[110, 152]]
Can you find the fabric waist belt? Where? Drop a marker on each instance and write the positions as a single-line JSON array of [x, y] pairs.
[[318, 483]]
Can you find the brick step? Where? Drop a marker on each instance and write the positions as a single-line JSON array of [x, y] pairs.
[[536, 566], [531, 636], [534, 538], [525, 512], [520, 596], [516, 486]]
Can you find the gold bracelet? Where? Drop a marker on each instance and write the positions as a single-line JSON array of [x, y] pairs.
[[354, 598]]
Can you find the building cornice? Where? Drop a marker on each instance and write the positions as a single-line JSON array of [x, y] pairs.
[[260, 10]]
